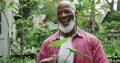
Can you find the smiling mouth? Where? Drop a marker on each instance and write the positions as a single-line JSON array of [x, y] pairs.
[[65, 22]]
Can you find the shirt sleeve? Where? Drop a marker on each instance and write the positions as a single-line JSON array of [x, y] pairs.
[[99, 55], [42, 53]]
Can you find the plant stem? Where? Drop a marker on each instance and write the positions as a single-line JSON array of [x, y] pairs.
[[67, 57]]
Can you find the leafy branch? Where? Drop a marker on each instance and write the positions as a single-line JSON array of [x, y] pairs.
[[49, 58], [67, 57], [80, 53]]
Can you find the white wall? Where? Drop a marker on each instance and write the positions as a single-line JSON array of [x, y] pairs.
[[8, 31], [4, 36]]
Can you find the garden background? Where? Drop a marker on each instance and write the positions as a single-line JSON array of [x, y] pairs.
[[25, 24]]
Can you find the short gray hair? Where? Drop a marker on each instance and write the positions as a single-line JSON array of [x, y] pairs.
[[67, 1]]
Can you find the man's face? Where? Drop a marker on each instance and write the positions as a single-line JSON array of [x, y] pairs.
[[66, 17], [65, 13]]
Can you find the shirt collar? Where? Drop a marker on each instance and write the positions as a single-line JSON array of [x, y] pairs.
[[56, 36], [78, 32]]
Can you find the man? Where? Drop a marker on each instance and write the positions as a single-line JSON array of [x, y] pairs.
[[81, 40]]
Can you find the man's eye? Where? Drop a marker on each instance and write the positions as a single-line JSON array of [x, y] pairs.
[[67, 11]]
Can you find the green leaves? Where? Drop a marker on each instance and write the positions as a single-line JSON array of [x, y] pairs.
[[80, 53], [11, 5], [31, 61], [2, 4], [49, 59], [59, 42]]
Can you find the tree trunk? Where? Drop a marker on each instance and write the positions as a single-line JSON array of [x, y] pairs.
[[111, 5], [92, 18], [118, 5]]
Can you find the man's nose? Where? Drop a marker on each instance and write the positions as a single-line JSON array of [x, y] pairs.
[[64, 15]]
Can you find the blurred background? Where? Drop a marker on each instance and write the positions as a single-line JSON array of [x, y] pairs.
[[25, 24]]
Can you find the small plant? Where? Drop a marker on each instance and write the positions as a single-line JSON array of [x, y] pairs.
[[60, 42]]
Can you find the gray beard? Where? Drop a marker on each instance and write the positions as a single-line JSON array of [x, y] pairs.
[[67, 29]]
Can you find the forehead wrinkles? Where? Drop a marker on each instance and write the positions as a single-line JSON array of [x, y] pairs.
[[62, 10], [65, 4]]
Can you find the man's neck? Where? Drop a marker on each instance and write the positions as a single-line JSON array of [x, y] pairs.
[[68, 34]]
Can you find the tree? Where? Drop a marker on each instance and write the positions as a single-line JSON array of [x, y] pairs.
[[118, 5], [111, 5], [25, 29], [92, 18]]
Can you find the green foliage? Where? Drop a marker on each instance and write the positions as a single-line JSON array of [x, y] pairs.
[[80, 53], [17, 60], [49, 58], [6, 6], [112, 49], [84, 13], [111, 25], [31, 61], [31, 35], [2, 4], [11, 5], [114, 16], [25, 30], [59, 42], [50, 10], [36, 7], [102, 36], [15, 48], [28, 8], [36, 36]]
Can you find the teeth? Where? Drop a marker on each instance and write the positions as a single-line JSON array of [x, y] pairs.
[[65, 20]]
